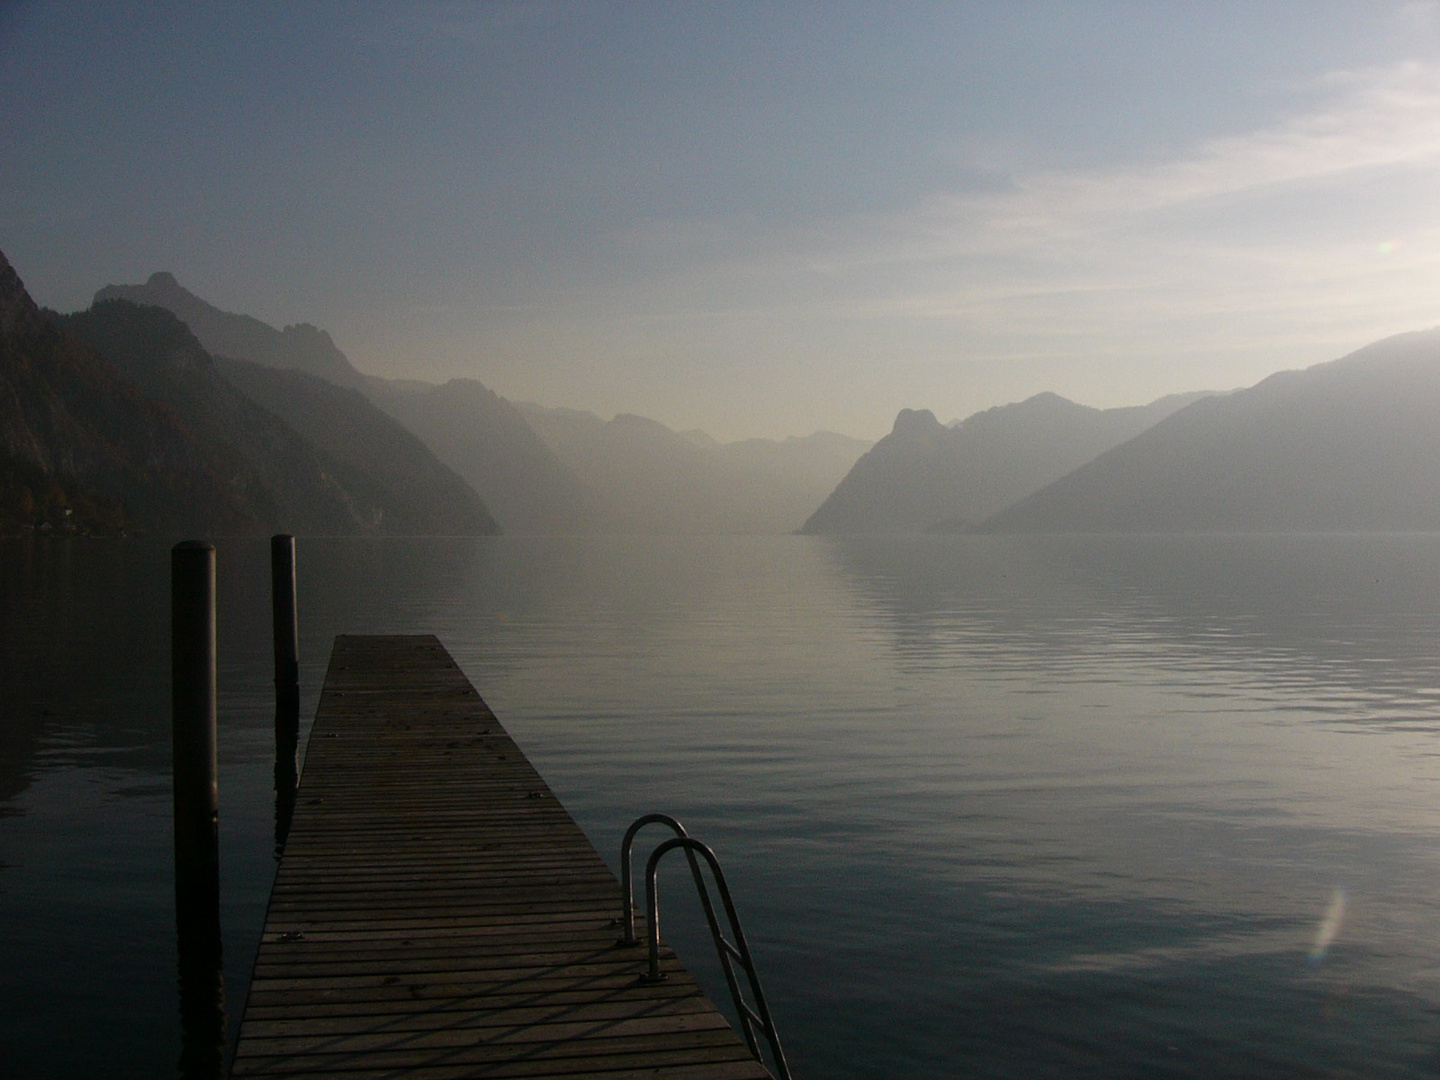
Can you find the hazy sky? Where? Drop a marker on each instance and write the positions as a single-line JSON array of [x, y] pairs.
[[760, 219]]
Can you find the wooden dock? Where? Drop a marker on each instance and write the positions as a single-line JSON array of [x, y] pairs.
[[437, 914]]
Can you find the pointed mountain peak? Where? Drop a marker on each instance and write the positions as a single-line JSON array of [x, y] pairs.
[[300, 347], [912, 422], [1050, 400], [161, 289]]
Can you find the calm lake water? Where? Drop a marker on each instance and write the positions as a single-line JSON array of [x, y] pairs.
[[991, 807]]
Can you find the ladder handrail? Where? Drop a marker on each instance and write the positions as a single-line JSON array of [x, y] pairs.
[[627, 883], [627, 919], [740, 950]]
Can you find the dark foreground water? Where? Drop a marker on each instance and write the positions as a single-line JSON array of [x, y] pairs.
[[991, 807]]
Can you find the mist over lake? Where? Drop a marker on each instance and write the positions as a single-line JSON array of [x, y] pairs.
[[991, 806]]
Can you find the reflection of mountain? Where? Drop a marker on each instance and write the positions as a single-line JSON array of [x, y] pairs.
[[924, 476], [85, 628], [1349, 445], [1230, 614], [23, 701], [649, 479]]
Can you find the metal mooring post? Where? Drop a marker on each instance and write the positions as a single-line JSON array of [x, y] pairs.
[[287, 630], [287, 683], [197, 841]]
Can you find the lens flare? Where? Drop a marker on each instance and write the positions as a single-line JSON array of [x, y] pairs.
[[1329, 926]]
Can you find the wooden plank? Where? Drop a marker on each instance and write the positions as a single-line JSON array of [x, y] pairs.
[[437, 914]]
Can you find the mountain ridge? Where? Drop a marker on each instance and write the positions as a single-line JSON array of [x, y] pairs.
[[1349, 444], [925, 476], [487, 441], [82, 449], [420, 492], [650, 479], [225, 333], [318, 481], [543, 470], [478, 435]]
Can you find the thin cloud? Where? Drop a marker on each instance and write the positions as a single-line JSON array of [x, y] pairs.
[[1375, 123], [1286, 217], [1382, 120], [1276, 247]]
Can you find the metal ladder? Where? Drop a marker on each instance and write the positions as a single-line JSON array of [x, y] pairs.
[[729, 952]]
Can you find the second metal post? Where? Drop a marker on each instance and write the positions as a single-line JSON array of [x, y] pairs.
[[286, 626], [287, 683]]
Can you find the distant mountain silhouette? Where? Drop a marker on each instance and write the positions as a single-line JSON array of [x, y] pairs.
[[925, 476], [370, 477], [647, 478], [83, 449], [1353, 444], [301, 347], [791, 475], [544, 470], [477, 433], [418, 492], [490, 444]]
